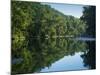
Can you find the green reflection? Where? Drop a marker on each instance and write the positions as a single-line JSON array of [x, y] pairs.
[[89, 57], [38, 33], [39, 53]]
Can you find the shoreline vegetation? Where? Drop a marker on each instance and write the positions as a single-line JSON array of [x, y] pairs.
[[31, 19], [27, 21], [35, 20]]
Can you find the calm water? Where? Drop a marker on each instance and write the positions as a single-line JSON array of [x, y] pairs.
[[60, 54], [66, 63]]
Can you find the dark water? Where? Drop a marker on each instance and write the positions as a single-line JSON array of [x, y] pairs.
[[58, 54]]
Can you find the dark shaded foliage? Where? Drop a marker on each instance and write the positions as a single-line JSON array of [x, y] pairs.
[[89, 58], [89, 16]]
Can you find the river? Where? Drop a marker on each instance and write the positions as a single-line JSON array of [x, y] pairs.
[[59, 54]]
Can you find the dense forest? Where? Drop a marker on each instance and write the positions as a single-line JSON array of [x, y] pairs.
[[38, 20], [89, 16], [37, 31]]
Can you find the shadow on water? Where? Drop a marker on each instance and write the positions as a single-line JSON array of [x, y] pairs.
[[33, 54]]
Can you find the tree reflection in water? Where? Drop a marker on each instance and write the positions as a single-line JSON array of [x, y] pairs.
[[39, 53], [89, 58]]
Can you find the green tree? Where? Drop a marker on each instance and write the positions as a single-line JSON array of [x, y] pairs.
[[89, 16]]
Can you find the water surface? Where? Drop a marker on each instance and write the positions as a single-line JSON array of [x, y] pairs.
[[55, 54]]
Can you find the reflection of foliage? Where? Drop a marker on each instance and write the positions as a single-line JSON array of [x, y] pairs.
[[31, 23], [89, 57], [44, 52]]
